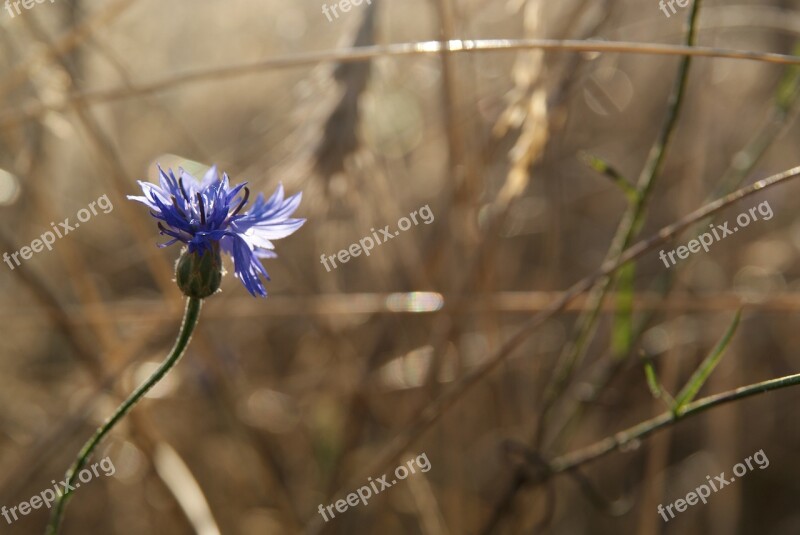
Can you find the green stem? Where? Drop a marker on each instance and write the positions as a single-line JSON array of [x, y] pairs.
[[190, 317], [638, 432], [574, 351], [741, 166]]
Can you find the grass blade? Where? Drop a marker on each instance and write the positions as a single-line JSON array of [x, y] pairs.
[[605, 169], [652, 380], [622, 335], [699, 377]]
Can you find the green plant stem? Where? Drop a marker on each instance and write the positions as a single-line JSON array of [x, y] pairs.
[[785, 107], [190, 318], [665, 419], [630, 225]]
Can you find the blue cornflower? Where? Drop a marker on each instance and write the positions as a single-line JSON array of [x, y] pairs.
[[208, 216]]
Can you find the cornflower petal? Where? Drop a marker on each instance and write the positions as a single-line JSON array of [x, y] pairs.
[[207, 213]]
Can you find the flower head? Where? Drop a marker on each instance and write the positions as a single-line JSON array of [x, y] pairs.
[[209, 215]]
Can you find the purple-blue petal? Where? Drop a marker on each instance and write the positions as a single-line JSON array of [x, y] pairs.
[[245, 236]]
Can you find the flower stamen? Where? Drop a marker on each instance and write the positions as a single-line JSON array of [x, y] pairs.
[[164, 230], [183, 191], [241, 204], [213, 216], [178, 208], [202, 209]]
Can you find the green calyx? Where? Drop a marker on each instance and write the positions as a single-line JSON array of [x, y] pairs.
[[199, 275]]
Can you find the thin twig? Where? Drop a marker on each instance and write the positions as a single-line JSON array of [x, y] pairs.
[[191, 315], [628, 228], [12, 116], [440, 405], [665, 419], [76, 35], [741, 166]]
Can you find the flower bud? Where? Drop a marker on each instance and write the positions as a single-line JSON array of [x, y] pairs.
[[199, 274]]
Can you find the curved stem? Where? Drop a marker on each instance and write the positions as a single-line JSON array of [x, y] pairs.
[[190, 318], [628, 228], [666, 419]]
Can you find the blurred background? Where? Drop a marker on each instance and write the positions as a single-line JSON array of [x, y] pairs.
[[285, 404]]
